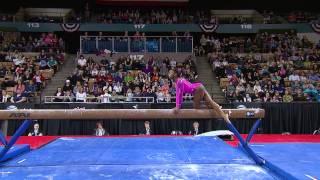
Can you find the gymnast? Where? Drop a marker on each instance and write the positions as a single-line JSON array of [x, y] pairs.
[[199, 93]]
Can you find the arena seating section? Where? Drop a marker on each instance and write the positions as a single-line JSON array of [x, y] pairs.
[[266, 67], [279, 67], [27, 62], [126, 79]]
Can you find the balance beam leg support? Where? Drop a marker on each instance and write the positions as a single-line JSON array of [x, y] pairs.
[[3, 139], [22, 129], [253, 130], [245, 146]]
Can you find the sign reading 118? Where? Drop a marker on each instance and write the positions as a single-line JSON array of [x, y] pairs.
[[246, 26]]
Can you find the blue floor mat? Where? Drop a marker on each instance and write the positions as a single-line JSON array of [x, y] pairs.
[[135, 158], [301, 160]]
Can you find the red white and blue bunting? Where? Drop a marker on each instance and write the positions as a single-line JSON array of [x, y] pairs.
[[209, 28], [316, 27], [70, 27]]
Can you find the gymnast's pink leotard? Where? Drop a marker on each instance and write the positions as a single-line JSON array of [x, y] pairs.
[[184, 86]]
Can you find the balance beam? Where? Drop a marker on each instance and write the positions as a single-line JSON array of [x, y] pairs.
[[130, 114]]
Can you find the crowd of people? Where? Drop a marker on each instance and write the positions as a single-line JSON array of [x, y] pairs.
[[6, 18], [22, 74], [260, 43], [156, 16], [168, 16], [287, 70], [129, 79], [30, 43], [302, 17]]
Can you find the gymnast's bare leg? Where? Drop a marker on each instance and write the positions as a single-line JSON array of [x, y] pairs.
[[200, 94]]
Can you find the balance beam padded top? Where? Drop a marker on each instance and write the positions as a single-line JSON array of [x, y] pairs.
[[133, 114]]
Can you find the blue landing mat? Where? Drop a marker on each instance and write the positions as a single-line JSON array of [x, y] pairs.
[[301, 160], [135, 158]]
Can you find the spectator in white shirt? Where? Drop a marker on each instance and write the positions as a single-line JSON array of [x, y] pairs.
[[105, 98], [100, 131], [118, 88], [173, 63], [94, 72], [82, 62], [81, 96], [247, 98], [294, 77], [129, 95], [160, 96], [257, 87]]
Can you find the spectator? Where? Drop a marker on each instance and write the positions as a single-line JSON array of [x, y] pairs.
[[18, 97], [105, 98], [53, 64], [67, 86], [81, 96], [294, 77], [146, 130], [59, 96], [30, 88], [99, 130], [114, 97], [77, 87], [68, 96], [247, 98], [82, 62], [35, 131], [287, 97], [43, 64], [19, 87], [38, 79], [5, 97], [129, 95], [299, 96], [195, 129]]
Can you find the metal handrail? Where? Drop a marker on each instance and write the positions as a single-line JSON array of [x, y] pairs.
[[140, 39], [173, 99], [120, 99], [96, 100], [137, 36]]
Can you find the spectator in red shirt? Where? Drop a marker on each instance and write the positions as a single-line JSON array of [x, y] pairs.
[[19, 87]]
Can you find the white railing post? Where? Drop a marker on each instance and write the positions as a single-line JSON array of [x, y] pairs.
[[160, 44], [129, 44], [113, 44], [176, 44], [192, 45], [97, 44], [145, 45]]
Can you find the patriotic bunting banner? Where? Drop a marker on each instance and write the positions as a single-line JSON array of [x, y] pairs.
[[316, 27], [208, 28], [70, 27]]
